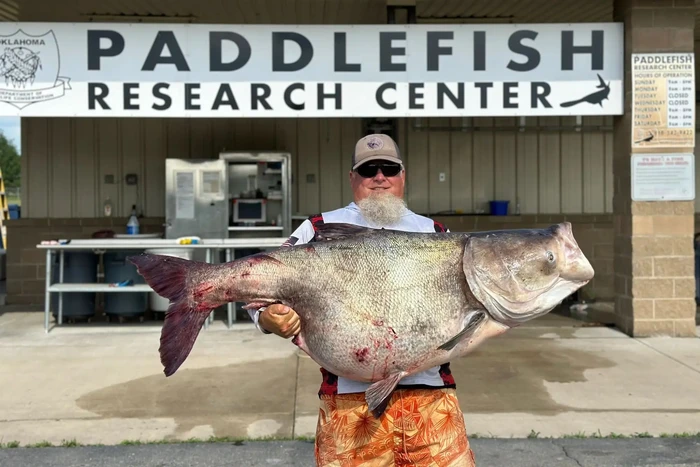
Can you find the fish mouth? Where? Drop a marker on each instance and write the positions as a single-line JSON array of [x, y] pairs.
[[577, 268], [581, 273]]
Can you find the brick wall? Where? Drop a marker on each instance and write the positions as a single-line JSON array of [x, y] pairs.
[[26, 269], [26, 264], [653, 247], [658, 282]]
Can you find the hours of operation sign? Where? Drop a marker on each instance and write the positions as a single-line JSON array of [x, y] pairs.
[[663, 177], [663, 100]]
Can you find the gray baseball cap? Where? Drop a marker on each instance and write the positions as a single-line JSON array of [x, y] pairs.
[[375, 147]]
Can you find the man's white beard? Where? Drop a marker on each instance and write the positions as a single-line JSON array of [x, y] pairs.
[[382, 208]]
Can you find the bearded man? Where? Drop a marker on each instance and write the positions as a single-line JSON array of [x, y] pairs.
[[423, 423]]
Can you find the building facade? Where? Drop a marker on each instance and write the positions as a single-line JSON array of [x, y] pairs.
[[549, 167]]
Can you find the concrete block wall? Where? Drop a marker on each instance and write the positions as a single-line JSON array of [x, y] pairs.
[[26, 264], [659, 281], [653, 241]]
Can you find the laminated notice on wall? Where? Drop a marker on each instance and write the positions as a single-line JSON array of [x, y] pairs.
[[663, 177], [211, 183], [663, 100], [184, 195]]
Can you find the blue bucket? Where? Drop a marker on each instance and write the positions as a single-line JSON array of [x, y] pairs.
[[499, 208], [15, 211]]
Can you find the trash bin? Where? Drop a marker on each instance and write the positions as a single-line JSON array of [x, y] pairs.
[[78, 267], [118, 269], [499, 208], [15, 211], [156, 302]]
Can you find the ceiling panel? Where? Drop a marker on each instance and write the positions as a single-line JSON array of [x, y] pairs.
[[514, 11], [9, 10], [310, 11], [209, 11]]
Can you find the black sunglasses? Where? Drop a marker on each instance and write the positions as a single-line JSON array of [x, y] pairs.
[[370, 169]]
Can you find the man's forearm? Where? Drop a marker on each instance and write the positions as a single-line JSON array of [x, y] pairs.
[[255, 316]]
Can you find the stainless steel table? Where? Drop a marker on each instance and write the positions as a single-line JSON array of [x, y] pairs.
[[99, 246]]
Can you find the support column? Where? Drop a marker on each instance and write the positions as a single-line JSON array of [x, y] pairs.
[[654, 255]]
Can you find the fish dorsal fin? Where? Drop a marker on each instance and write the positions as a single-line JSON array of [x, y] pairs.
[[336, 231], [601, 82]]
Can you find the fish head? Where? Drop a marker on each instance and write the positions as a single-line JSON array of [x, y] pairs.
[[519, 275]]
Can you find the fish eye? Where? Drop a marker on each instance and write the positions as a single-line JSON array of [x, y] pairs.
[[550, 256]]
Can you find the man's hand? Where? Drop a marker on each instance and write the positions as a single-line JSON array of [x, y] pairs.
[[281, 320]]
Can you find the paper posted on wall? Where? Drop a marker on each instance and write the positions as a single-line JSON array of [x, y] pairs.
[[663, 100], [184, 195]]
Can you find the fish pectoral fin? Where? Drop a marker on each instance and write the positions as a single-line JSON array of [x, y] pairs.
[[473, 321], [299, 341], [255, 305], [379, 393], [338, 230]]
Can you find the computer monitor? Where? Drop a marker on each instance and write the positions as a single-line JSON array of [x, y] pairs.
[[249, 210]]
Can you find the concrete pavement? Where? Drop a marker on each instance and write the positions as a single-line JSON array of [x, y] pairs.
[[552, 377], [489, 453]]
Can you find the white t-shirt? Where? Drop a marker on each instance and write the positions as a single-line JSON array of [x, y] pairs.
[[351, 214]]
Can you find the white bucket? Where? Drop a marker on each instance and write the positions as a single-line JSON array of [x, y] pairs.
[[155, 301]]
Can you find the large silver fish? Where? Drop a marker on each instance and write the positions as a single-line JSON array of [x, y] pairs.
[[377, 305]]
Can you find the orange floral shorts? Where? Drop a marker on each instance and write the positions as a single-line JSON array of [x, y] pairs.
[[420, 427]]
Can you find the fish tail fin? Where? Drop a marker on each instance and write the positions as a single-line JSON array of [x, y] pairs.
[[170, 277], [166, 275]]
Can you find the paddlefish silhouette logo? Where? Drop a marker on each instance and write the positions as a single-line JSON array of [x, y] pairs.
[[595, 98], [29, 68]]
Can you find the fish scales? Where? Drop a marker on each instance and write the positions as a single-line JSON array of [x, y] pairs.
[[361, 315]]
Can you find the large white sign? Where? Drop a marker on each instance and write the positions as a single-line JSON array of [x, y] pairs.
[[663, 177], [175, 70]]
